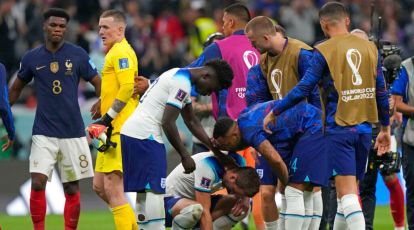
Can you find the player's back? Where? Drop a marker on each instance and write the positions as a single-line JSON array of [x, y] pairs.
[[171, 88], [300, 119]]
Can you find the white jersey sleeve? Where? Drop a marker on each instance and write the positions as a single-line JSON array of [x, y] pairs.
[[204, 177], [179, 92]]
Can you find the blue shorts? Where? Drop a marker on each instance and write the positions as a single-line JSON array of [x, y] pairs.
[[349, 152], [267, 177], [170, 201], [310, 162], [144, 164]]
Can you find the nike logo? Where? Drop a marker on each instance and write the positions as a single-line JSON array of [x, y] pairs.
[[82, 172], [40, 67]]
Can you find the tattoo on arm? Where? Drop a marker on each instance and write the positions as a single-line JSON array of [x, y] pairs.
[[118, 105]]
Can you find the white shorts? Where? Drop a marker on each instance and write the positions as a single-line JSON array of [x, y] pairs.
[[72, 155]]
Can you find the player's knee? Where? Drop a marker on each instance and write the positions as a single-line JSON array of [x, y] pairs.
[[38, 184], [189, 216]]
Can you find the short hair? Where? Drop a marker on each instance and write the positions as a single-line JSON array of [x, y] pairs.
[[56, 12], [280, 29], [239, 10], [247, 180], [261, 25], [222, 126], [333, 11], [117, 15], [223, 71]]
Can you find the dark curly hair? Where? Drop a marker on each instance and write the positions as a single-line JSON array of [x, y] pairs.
[[222, 126], [56, 12], [223, 71]]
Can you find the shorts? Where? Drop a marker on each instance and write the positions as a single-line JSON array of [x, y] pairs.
[[266, 174], [170, 201], [111, 159], [71, 154], [349, 152], [310, 162], [144, 164]]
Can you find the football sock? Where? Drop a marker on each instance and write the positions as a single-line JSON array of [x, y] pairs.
[[339, 222], [122, 217], [353, 212], [150, 210], [72, 211], [317, 211], [308, 201], [188, 217], [226, 222], [396, 202], [271, 225], [38, 209], [281, 221], [295, 208]]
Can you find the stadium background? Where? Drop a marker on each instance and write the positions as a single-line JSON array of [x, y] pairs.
[[164, 34]]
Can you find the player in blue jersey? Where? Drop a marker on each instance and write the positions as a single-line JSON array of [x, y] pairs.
[[297, 137], [351, 104], [58, 130], [5, 111], [191, 197]]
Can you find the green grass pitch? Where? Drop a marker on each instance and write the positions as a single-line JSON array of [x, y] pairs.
[[102, 220]]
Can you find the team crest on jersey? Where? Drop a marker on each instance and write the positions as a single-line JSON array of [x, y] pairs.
[[123, 63], [54, 67], [205, 182], [260, 173], [68, 66], [180, 95], [162, 183]]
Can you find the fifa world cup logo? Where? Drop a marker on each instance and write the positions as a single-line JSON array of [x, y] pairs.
[[250, 58], [353, 57], [276, 77]]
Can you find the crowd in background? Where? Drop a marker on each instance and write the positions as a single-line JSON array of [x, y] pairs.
[[171, 33]]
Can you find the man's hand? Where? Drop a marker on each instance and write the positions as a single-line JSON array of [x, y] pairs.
[[8, 144], [225, 160], [188, 164], [96, 110], [141, 84], [383, 141], [241, 207], [95, 130], [269, 119]]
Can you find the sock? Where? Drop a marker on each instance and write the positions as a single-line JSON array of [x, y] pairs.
[[295, 208], [122, 217], [340, 223], [317, 211], [308, 201], [72, 211], [226, 222], [150, 210], [396, 202], [353, 212], [400, 228], [38, 209], [271, 225], [281, 221], [188, 217]]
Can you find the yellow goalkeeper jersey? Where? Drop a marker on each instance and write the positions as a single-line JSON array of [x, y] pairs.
[[121, 65]]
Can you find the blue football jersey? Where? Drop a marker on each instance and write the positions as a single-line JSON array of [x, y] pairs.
[[56, 79], [289, 125]]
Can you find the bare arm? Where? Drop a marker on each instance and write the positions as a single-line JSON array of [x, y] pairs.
[[274, 160], [403, 107], [16, 90], [96, 82], [171, 132], [194, 125], [204, 198]]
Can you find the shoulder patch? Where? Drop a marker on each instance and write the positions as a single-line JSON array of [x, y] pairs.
[[123, 63], [181, 94], [205, 182]]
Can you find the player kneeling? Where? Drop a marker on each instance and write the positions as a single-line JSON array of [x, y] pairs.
[[191, 202]]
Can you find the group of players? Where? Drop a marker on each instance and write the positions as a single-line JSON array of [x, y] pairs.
[[265, 94]]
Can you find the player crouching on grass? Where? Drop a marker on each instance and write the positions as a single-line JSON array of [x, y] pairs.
[[190, 202]]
